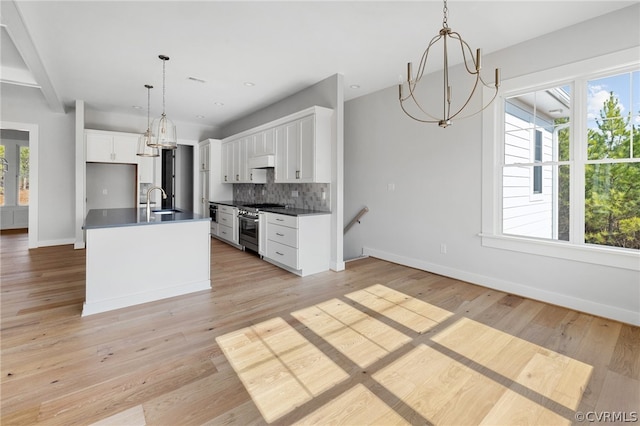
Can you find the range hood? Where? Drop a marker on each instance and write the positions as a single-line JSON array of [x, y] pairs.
[[262, 162]]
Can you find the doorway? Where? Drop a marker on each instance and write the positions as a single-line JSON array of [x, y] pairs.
[[21, 202], [177, 177]]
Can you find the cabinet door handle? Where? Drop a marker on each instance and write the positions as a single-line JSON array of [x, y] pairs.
[[251, 176], [279, 220], [237, 177], [297, 174], [279, 234], [278, 253]]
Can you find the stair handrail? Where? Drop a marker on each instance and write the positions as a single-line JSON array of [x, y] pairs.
[[356, 219]]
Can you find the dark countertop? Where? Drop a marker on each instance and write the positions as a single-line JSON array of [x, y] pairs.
[[289, 211], [109, 218], [292, 211], [227, 203]]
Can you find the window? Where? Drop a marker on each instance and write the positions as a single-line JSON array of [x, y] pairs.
[[14, 180], [23, 177], [562, 163], [537, 170]]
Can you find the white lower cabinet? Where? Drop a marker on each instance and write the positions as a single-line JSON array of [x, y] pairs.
[[262, 234], [228, 223], [299, 244]]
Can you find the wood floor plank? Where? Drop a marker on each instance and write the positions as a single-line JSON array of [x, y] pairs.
[[626, 354]]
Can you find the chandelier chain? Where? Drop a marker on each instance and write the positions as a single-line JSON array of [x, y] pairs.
[[445, 11], [149, 107], [164, 86]]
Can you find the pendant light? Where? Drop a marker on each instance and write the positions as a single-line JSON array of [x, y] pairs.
[[163, 129], [144, 141], [472, 66]]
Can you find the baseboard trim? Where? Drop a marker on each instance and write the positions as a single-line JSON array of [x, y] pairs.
[[61, 242], [570, 302], [100, 306]]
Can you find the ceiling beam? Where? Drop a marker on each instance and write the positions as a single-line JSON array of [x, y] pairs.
[[12, 20]]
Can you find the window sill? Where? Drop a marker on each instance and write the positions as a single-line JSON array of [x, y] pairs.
[[599, 255]]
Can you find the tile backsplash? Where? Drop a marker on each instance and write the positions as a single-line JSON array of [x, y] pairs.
[[315, 196]]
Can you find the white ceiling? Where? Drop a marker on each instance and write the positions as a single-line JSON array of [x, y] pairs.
[[104, 52]]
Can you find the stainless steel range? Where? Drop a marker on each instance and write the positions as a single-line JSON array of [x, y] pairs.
[[249, 225]]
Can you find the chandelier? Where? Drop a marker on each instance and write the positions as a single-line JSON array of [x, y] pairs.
[[164, 131], [144, 142], [472, 65]]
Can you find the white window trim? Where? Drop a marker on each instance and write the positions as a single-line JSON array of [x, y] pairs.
[[492, 148]]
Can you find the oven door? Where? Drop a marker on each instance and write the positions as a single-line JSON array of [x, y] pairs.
[[213, 212], [248, 232]]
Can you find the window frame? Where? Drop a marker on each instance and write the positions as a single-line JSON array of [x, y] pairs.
[[493, 162]]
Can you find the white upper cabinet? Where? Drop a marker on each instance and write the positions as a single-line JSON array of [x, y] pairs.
[[265, 143], [228, 163], [235, 162], [205, 156], [111, 147], [303, 149], [287, 143], [300, 142]]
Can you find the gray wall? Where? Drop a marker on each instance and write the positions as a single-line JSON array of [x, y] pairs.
[[437, 178], [56, 196], [110, 186]]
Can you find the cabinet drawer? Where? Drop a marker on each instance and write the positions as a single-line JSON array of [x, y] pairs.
[[284, 220], [283, 254], [225, 219], [225, 232], [225, 209], [283, 234]]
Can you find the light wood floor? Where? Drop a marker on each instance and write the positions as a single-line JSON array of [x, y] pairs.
[[378, 343]]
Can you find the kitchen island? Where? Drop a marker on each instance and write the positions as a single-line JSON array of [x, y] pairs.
[[132, 258]]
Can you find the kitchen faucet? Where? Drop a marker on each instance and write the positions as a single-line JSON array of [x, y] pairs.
[[164, 196]]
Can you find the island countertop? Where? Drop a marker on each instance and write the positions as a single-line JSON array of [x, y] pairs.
[[108, 218]]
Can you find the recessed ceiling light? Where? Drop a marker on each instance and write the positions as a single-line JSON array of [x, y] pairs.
[[249, 84], [200, 116], [354, 86], [218, 103], [136, 107]]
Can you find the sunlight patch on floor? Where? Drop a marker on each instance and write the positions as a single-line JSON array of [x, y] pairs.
[[548, 373], [467, 373], [357, 406], [412, 313], [279, 367], [134, 416], [360, 337], [444, 391]]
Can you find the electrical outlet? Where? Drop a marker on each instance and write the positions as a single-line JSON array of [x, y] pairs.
[[443, 248], [105, 191], [391, 187], [294, 193]]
